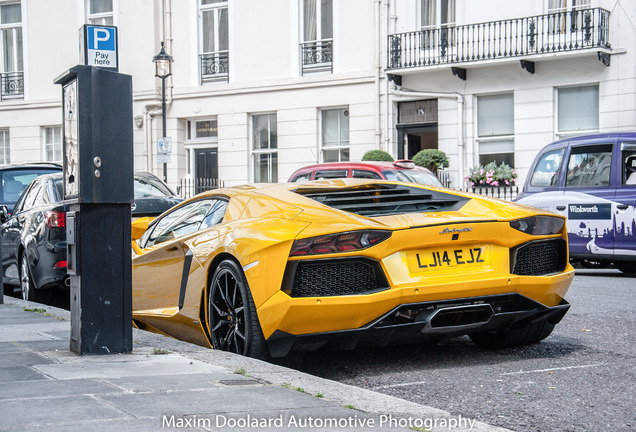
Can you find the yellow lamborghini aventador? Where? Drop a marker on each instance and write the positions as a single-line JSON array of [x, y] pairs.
[[264, 269]]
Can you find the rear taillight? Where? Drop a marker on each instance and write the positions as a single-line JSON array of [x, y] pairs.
[[55, 219], [60, 264], [338, 243], [539, 225]]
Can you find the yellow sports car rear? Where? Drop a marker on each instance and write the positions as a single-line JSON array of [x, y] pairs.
[[261, 270]]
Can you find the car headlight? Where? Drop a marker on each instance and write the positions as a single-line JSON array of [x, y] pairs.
[[338, 243], [539, 225]]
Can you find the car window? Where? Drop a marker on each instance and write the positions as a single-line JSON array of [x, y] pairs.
[[366, 174], [412, 176], [301, 178], [56, 192], [181, 221], [15, 181], [330, 174], [629, 164], [148, 187], [546, 173], [589, 166], [215, 215], [32, 196], [19, 205]]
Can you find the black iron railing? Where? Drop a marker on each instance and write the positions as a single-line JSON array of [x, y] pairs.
[[11, 85], [189, 187], [215, 67], [517, 37], [316, 56]]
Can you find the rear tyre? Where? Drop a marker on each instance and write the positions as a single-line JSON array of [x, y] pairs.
[[530, 333], [628, 267], [26, 281], [233, 322]]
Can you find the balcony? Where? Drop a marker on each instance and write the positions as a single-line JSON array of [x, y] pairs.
[[215, 67], [11, 85], [524, 38], [316, 56]]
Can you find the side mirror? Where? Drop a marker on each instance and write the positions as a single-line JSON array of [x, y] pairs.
[[4, 214], [139, 227]]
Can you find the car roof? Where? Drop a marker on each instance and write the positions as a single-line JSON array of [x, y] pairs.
[[377, 166], [31, 165], [600, 136]]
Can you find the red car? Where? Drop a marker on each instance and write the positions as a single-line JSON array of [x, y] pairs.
[[401, 170]]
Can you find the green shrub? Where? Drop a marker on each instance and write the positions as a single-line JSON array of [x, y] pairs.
[[432, 159], [377, 155]]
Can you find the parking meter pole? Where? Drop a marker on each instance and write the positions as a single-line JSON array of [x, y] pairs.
[[98, 188]]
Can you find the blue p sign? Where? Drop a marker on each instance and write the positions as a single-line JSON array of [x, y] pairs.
[[101, 38], [100, 43]]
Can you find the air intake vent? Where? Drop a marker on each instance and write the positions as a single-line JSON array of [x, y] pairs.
[[539, 258], [340, 277], [384, 199]]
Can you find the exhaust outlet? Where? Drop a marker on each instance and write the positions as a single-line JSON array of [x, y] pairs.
[[461, 316]]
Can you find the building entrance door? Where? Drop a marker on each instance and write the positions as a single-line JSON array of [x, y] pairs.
[[417, 127], [206, 174]]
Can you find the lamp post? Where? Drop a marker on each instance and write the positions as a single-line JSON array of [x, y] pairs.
[[163, 64]]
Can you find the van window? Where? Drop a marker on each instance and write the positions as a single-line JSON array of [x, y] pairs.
[[546, 173], [589, 166], [629, 164]]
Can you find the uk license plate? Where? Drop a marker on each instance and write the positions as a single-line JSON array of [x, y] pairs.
[[439, 259]]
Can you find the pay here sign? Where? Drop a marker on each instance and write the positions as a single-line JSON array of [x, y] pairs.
[[100, 46]]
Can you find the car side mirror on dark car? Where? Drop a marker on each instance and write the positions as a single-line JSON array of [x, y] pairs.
[[4, 214]]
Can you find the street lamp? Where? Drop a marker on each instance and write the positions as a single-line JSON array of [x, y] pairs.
[[163, 64]]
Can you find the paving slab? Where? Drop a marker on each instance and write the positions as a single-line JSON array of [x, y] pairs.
[[55, 388]]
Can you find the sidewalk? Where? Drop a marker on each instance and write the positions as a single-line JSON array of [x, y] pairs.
[[168, 384]]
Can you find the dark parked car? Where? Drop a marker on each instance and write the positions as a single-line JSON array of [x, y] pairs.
[[33, 238], [152, 196], [15, 178]]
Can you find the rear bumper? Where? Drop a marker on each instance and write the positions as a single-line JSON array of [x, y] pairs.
[[426, 320]]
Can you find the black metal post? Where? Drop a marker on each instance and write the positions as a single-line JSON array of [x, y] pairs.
[[163, 122]]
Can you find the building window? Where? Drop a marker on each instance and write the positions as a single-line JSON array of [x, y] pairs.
[[11, 63], [436, 18], [265, 148], [577, 110], [214, 40], [437, 13], [563, 15], [316, 48], [5, 149], [52, 137], [335, 135], [99, 12], [495, 129]]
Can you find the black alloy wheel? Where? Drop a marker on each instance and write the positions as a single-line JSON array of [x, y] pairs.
[[233, 322]]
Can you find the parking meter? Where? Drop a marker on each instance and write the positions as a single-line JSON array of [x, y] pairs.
[[98, 190]]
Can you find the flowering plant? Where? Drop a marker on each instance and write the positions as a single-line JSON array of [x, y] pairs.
[[492, 174]]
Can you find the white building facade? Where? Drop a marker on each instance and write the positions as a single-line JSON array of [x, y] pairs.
[[261, 88]]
